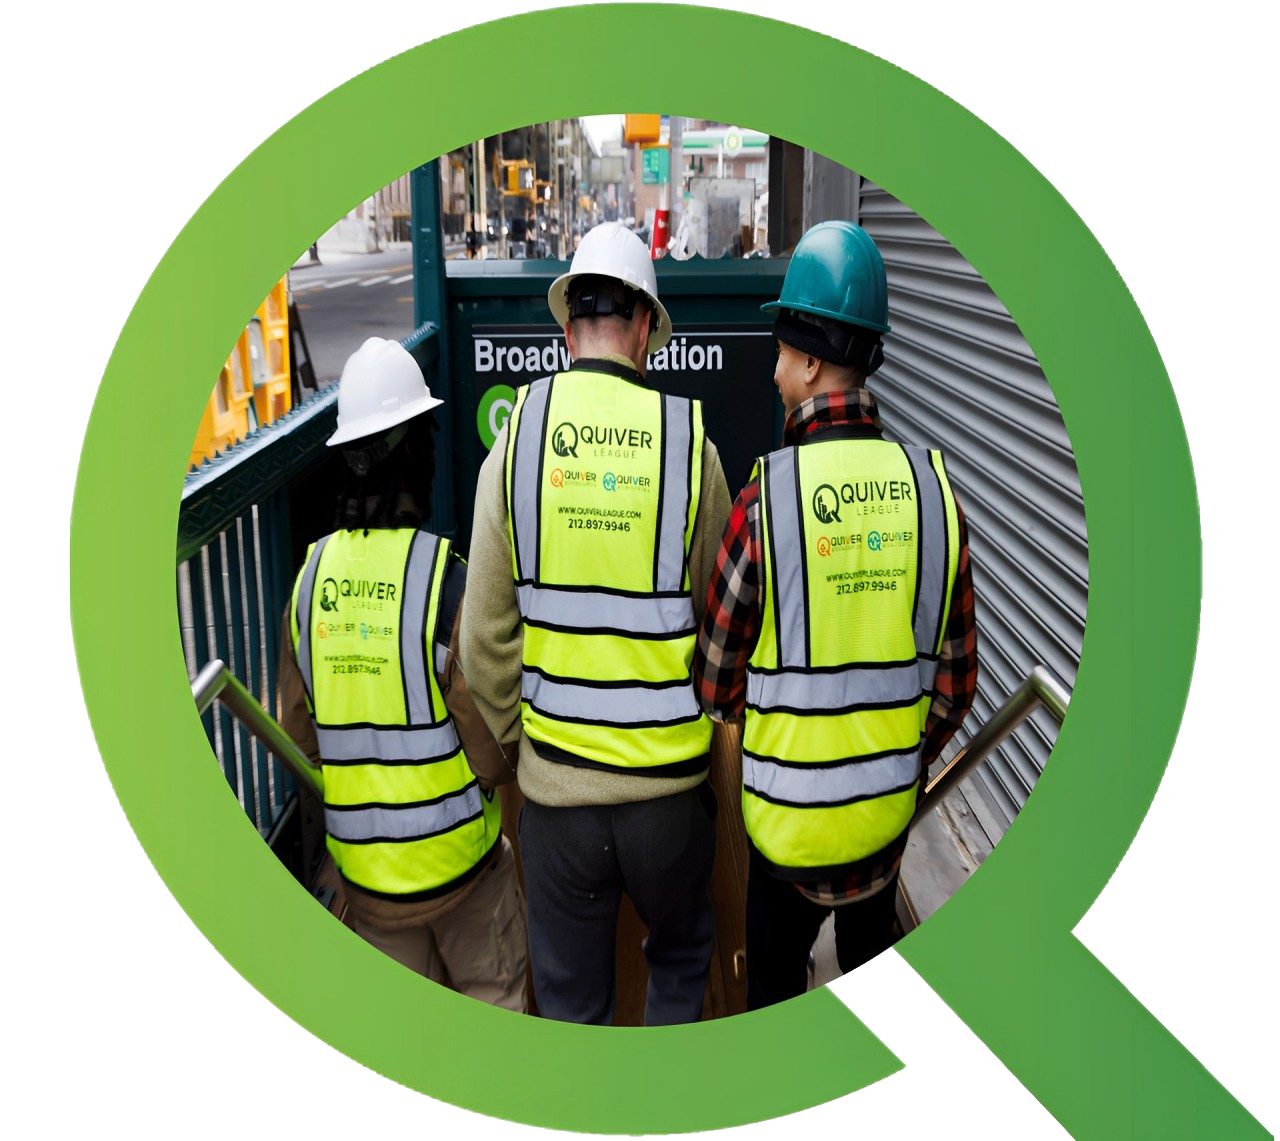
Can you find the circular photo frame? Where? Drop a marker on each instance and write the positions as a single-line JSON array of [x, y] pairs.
[[1000, 952]]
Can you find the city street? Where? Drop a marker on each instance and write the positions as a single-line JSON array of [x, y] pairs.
[[347, 298]]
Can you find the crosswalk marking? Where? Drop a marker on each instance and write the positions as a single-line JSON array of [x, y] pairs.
[[402, 280], [343, 281], [375, 280]]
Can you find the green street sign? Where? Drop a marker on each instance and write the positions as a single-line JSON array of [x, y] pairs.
[[657, 165]]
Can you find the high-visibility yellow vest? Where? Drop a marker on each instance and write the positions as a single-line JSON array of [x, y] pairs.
[[402, 809], [603, 478], [861, 543]]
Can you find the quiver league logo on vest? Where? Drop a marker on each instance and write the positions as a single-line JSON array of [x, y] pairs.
[[861, 543], [603, 477], [403, 812]]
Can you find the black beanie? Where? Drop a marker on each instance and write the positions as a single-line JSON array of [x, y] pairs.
[[809, 338]]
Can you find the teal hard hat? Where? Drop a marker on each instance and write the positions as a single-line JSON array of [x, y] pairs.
[[836, 272]]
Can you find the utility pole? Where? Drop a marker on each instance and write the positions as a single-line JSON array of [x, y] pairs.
[[480, 216], [502, 203], [675, 176]]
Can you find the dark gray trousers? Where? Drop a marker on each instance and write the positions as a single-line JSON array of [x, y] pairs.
[[578, 862], [782, 925]]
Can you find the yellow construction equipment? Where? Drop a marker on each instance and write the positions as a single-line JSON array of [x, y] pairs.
[[253, 386]]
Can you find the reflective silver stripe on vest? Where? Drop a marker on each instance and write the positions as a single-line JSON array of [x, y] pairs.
[[409, 822], [786, 537], [421, 565], [526, 475], [634, 704], [931, 552], [812, 786], [305, 591], [677, 441], [928, 673], [841, 689], [390, 743], [526, 480], [600, 610]]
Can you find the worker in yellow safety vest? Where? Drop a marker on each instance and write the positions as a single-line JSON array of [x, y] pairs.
[[839, 626], [596, 520], [371, 687]]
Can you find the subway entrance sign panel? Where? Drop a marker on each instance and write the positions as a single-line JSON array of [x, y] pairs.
[[729, 367]]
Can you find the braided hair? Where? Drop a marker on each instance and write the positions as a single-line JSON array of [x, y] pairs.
[[391, 490]]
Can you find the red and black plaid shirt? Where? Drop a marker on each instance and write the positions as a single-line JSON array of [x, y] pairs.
[[732, 622]]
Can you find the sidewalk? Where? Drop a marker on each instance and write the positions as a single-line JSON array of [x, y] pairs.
[[334, 249]]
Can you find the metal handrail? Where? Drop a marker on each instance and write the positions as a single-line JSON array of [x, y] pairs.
[[1040, 688], [216, 682]]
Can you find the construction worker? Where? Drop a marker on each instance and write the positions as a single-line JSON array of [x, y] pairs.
[[839, 623], [371, 687], [597, 516]]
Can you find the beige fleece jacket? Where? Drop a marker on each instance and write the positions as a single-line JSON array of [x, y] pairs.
[[491, 636]]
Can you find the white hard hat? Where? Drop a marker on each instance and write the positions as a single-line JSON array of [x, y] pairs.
[[611, 250], [381, 386]]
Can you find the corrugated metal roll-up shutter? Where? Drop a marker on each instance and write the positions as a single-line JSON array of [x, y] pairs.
[[960, 376]]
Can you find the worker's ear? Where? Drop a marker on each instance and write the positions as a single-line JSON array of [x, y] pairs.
[[812, 366], [568, 340]]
